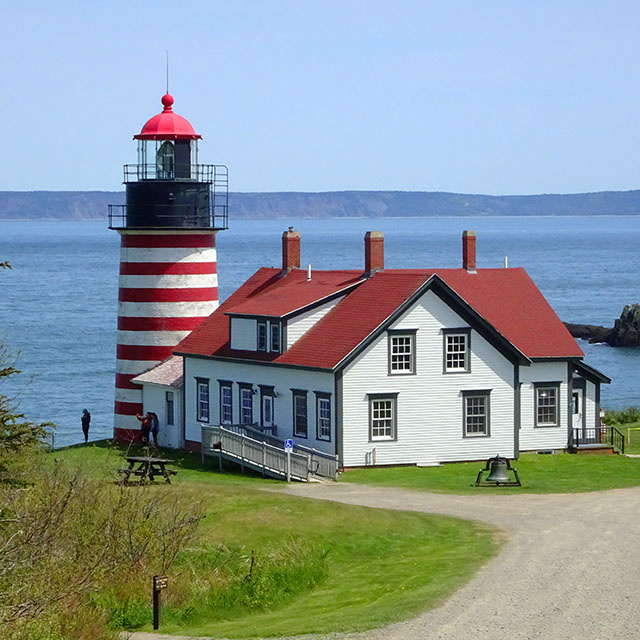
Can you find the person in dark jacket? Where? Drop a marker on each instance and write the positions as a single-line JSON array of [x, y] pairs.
[[86, 423], [146, 426], [155, 427]]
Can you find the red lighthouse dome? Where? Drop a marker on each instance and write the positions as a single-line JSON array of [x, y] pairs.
[[167, 125]]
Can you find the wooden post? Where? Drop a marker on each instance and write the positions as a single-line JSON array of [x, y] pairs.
[[242, 453], [264, 457], [159, 583]]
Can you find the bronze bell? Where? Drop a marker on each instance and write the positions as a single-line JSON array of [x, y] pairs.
[[498, 471]]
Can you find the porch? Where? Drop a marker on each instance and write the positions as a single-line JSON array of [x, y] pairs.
[[601, 439]]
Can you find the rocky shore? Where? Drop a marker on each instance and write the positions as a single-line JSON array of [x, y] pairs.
[[625, 332]]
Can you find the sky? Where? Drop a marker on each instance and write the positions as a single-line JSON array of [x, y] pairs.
[[477, 96]]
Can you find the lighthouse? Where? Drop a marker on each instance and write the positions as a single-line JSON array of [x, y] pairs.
[[168, 279]]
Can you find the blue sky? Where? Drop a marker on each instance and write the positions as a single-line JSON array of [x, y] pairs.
[[483, 96]]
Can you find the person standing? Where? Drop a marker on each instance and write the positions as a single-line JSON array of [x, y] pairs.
[[155, 427], [86, 423], [146, 426]]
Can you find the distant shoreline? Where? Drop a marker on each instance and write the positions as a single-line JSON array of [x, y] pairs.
[[93, 205], [465, 217]]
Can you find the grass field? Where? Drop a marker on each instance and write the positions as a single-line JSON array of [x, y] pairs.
[[631, 432], [364, 567], [558, 473]]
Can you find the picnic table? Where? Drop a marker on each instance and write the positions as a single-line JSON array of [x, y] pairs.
[[146, 470]]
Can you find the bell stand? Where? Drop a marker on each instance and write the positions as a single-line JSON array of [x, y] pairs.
[[498, 483]]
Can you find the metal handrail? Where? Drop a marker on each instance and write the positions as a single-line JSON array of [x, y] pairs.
[[596, 435], [217, 215], [212, 173]]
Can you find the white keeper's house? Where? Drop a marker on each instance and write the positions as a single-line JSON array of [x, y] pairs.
[[375, 366]]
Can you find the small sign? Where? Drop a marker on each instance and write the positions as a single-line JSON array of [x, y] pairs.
[[160, 582], [288, 446]]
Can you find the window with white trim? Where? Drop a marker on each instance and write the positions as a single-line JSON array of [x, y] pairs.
[[267, 406], [402, 352], [262, 336], [202, 399], [476, 413], [274, 329], [547, 404], [323, 416], [299, 413], [382, 417], [226, 402], [456, 351], [246, 404]]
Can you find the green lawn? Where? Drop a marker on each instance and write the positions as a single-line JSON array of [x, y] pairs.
[[557, 473], [382, 565], [631, 432]]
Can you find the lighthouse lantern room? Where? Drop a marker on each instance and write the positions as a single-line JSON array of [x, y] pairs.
[[168, 277]]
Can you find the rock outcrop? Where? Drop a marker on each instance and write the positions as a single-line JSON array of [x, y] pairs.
[[625, 333]]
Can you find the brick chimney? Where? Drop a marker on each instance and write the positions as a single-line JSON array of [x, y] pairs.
[[373, 252], [469, 251], [290, 250]]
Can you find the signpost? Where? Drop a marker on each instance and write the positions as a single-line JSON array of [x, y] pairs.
[[288, 447], [159, 583]]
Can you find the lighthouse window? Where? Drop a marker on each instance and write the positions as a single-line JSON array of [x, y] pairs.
[[165, 160]]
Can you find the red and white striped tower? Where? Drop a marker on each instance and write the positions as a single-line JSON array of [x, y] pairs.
[[168, 277]]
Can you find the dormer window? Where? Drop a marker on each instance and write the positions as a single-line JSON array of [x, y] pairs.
[[275, 337], [262, 336], [268, 336]]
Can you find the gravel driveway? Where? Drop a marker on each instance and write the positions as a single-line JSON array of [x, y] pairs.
[[570, 568]]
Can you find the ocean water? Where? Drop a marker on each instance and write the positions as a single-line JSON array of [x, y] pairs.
[[58, 303]]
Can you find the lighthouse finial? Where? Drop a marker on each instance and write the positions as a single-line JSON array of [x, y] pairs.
[[167, 70]]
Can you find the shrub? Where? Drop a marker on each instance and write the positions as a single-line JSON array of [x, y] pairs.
[[66, 538], [622, 416]]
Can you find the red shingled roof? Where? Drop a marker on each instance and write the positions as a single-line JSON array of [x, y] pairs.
[[292, 292], [506, 298]]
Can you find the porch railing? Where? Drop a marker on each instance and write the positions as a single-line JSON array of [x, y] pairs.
[[258, 455], [320, 463], [591, 436]]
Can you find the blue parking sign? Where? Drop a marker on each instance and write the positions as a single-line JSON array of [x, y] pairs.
[[288, 446]]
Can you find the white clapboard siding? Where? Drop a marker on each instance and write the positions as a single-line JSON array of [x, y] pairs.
[[430, 403], [283, 379], [590, 407], [299, 325], [154, 399], [244, 334], [531, 437]]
